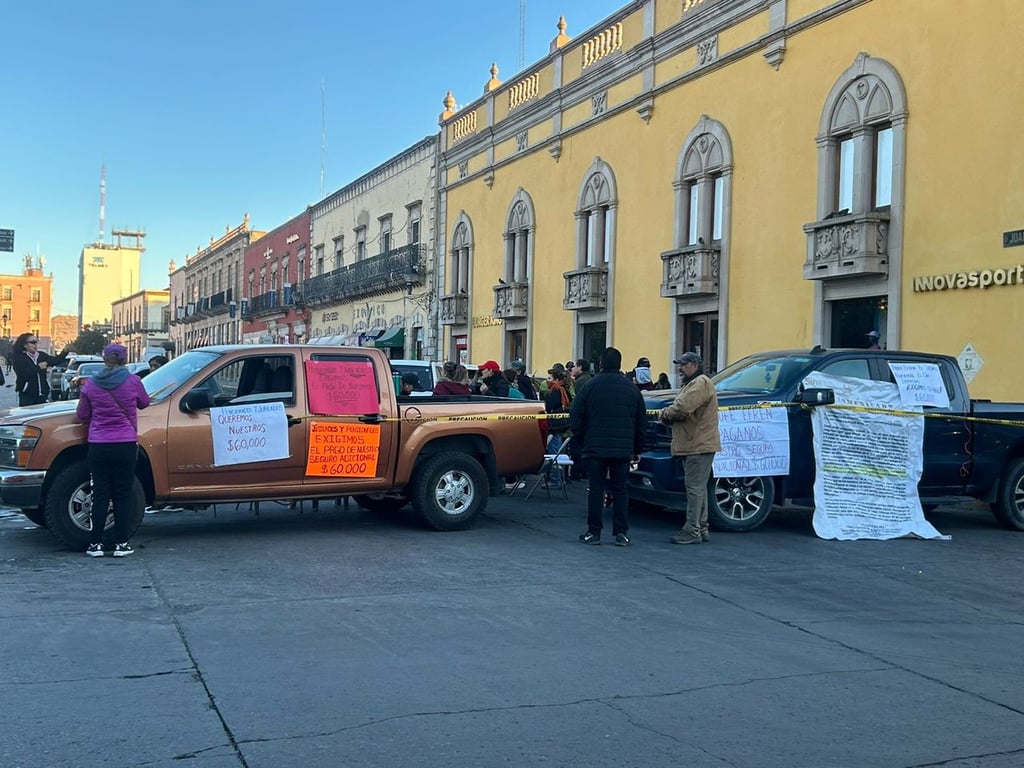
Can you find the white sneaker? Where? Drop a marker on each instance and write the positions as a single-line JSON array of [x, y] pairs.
[[94, 550], [123, 549]]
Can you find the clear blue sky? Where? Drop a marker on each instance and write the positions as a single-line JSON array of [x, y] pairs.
[[203, 111]]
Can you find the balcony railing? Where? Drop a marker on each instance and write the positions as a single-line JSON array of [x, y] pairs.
[[402, 267], [220, 302], [264, 304], [690, 271], [586, 288], [848, 246], [455, 309], [510, 301]]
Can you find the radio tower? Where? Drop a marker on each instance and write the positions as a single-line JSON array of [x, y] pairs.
[[103, 198], [522, 34]]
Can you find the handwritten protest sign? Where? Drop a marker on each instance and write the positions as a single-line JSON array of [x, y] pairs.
[[246, 433], [343, 450], [755, 441], [920, 384], [341, 387], [867, 463]]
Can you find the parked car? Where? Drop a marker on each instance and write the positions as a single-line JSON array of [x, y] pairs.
[[84, 372], [975, 451], [427, 371], [423, 451], [68, 373]]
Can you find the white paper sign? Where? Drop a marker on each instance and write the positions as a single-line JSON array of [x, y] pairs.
[[867, 464], [755, 441], [246, 433], [920, 384]]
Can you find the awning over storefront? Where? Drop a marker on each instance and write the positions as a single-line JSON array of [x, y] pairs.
[[393, 337]]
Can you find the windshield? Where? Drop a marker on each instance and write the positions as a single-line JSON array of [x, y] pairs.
[[167, 378], [763, 375]]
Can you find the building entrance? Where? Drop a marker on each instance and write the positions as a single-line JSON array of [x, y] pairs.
[[853, 319], [700, 335], [594, 342]]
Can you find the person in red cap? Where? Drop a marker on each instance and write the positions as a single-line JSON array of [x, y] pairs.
[[109, 404], [494, 383]]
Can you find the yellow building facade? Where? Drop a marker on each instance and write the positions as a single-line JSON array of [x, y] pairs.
[[729, 176], [107, 272]]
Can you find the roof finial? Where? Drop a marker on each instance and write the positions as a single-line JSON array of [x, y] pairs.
[[494, 83], [562, 38], [449, 107]]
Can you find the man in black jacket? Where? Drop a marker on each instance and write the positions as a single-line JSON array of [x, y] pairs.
[[608, 419]]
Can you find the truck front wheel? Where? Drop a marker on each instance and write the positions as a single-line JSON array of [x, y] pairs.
[[69, 507], [1009, 504], [739, 504], [449, 490]]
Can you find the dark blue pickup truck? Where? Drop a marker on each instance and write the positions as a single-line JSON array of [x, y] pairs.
[[962, 457]]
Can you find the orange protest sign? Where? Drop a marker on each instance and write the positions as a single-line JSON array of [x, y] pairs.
[[343, 450]]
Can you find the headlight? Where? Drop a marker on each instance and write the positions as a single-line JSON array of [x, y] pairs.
[[17, 441]]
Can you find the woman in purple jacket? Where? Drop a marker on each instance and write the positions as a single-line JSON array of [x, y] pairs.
[[109, 402]]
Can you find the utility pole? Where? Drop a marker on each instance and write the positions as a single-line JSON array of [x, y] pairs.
[[522, 34]]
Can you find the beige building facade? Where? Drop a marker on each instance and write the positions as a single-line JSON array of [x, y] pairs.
[[140, 321], [372, 261], [106, 273]]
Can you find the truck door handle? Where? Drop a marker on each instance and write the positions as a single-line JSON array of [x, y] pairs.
[[371, 418], [293, 420]]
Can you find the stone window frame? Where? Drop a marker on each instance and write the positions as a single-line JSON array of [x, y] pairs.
[[519, 237], [598, 195], [386, 236], [851, 109], [706, 156], [460, 254]]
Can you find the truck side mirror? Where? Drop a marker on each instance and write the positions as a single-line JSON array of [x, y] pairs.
[[816, 396], [198, 399]]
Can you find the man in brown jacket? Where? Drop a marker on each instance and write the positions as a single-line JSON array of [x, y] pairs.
[[695, 441]]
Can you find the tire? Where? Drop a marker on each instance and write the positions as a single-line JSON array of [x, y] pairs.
[[449, 490], [380, 502], [1009, 504], [739, 504], [69, 503], [36, 515]]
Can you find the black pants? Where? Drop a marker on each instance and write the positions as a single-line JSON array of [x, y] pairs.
[[112, 466], [27, 398], [608, 475]]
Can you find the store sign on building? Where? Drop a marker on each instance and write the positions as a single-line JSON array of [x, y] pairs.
[[1010, 239], [978, 278]]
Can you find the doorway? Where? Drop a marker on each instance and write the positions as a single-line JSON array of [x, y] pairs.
[[700, 335], [517, 345], [852, 319], [594, 342]]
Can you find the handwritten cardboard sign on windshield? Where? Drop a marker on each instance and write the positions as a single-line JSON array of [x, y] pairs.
[[920, 384], [341, 387]]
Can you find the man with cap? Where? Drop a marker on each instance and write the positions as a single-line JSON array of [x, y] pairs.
[[695, 441], [109, 404], [873, 337], [493, 383]]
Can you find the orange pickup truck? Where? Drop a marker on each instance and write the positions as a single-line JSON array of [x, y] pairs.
[[245, 423]]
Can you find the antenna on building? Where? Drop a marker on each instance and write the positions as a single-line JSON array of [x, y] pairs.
[[522, 34], [103, 198], [323, 135]]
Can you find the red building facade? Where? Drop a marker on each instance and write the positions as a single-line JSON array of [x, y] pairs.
[[273, 271]]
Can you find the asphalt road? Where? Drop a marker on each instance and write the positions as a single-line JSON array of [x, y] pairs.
[[339, 638]]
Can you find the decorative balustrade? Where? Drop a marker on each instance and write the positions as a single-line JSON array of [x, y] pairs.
[[690, 271], [399, 267], [601, 45], [847, 246], [464, 126], [511, 301], [523, 91], [586, 288], [455, 309]]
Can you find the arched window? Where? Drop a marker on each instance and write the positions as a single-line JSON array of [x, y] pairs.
[[595, 217], [703, 184], [519, 228], [461, 253], [861, 138]]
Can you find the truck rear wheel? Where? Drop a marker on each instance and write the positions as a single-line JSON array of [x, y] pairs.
[[1009, 504], [69, 507], [449, 490], [739, 504]]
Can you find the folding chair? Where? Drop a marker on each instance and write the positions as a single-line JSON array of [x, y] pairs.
[[563, 461]]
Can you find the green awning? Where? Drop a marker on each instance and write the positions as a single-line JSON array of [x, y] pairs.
[[392, 337]]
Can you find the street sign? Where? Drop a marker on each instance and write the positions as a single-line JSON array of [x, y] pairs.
[[7, 240], [970, 362]]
